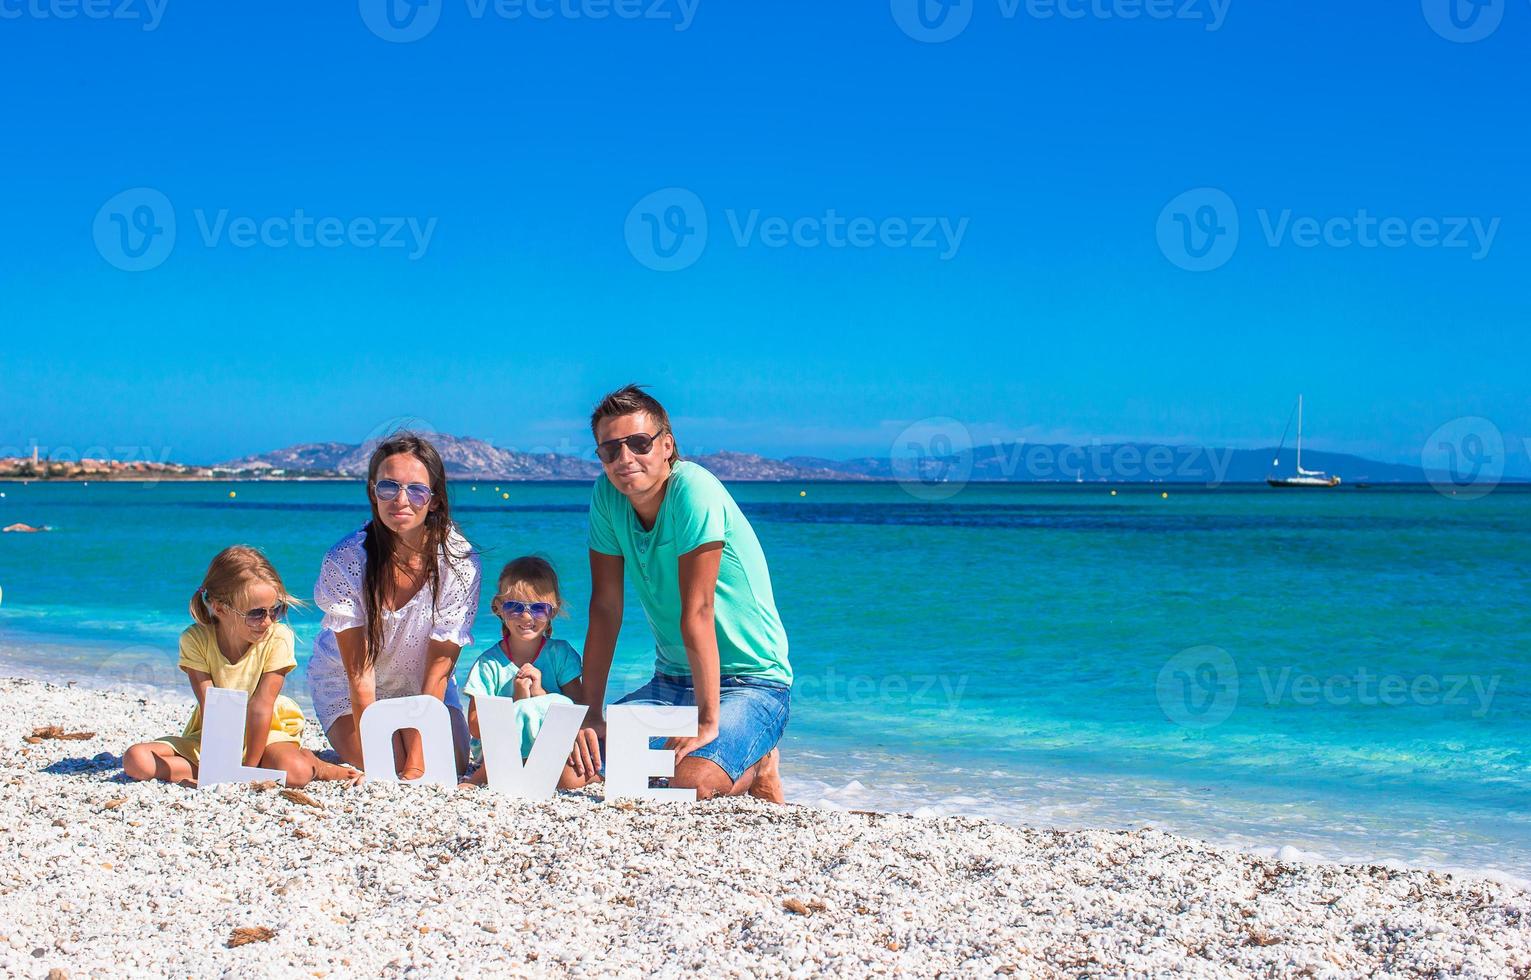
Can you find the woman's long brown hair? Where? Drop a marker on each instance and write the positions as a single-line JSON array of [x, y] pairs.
[[382, 544]]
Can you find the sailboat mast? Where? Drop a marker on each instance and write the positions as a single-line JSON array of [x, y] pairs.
[[1299, 433]]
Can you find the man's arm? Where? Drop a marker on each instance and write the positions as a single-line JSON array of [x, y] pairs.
[[600, 644], [698, 630]]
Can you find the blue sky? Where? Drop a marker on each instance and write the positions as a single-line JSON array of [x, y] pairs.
[[983, 228]]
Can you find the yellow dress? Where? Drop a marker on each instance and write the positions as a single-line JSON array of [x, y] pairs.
[[274, 651]]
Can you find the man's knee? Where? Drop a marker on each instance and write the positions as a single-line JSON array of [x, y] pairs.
[[702, 775]]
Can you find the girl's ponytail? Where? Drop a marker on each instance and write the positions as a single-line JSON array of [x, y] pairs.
[[199, 608]]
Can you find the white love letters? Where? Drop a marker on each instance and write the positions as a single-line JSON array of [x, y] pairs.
[[223, 741], [500, 732], [629, 760], [425, 715]]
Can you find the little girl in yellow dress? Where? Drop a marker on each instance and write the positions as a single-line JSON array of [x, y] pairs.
[[238, 642]]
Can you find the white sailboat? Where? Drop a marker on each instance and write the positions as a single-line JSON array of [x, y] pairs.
[[1304, 478]]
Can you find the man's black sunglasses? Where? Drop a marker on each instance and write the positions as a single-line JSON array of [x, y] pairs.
[[639, 442]]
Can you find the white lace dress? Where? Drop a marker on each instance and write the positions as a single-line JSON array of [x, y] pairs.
[[399, 669]]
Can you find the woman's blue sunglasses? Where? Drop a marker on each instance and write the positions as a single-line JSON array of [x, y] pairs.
[[418, 493]]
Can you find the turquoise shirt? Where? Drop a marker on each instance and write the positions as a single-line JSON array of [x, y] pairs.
[[696, 510], [493, 672]]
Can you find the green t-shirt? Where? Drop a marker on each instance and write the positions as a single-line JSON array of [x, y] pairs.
[[697, 510], [493, 672]]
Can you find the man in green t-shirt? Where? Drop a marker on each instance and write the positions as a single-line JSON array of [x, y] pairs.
[[702, 580]]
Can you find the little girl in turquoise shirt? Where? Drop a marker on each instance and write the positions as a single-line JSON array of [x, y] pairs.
[[527, 665]]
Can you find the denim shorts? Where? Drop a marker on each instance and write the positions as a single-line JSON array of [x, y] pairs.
[[752, 714]]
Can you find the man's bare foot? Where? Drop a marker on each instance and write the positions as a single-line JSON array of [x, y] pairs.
[[767, 784]]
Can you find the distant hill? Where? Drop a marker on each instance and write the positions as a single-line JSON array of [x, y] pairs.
[[469, 458], [465, 458]]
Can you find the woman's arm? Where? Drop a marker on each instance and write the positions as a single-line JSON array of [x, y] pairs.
[[698, 630], [359, 674], [258, 712], [440, 661]]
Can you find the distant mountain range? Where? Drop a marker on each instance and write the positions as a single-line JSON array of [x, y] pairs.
[[469, 458]]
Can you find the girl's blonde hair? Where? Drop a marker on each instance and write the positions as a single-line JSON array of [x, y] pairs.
[[228, 580], [535, 575]]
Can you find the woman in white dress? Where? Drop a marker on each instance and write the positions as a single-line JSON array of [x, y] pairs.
[[399, 597]]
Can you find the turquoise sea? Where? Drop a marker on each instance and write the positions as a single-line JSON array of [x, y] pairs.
[[1344, 673]]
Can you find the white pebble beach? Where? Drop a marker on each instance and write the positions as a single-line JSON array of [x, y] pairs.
[[104, 877]]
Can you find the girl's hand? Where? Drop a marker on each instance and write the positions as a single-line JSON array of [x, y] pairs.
[[528, 681], [685, 746]]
